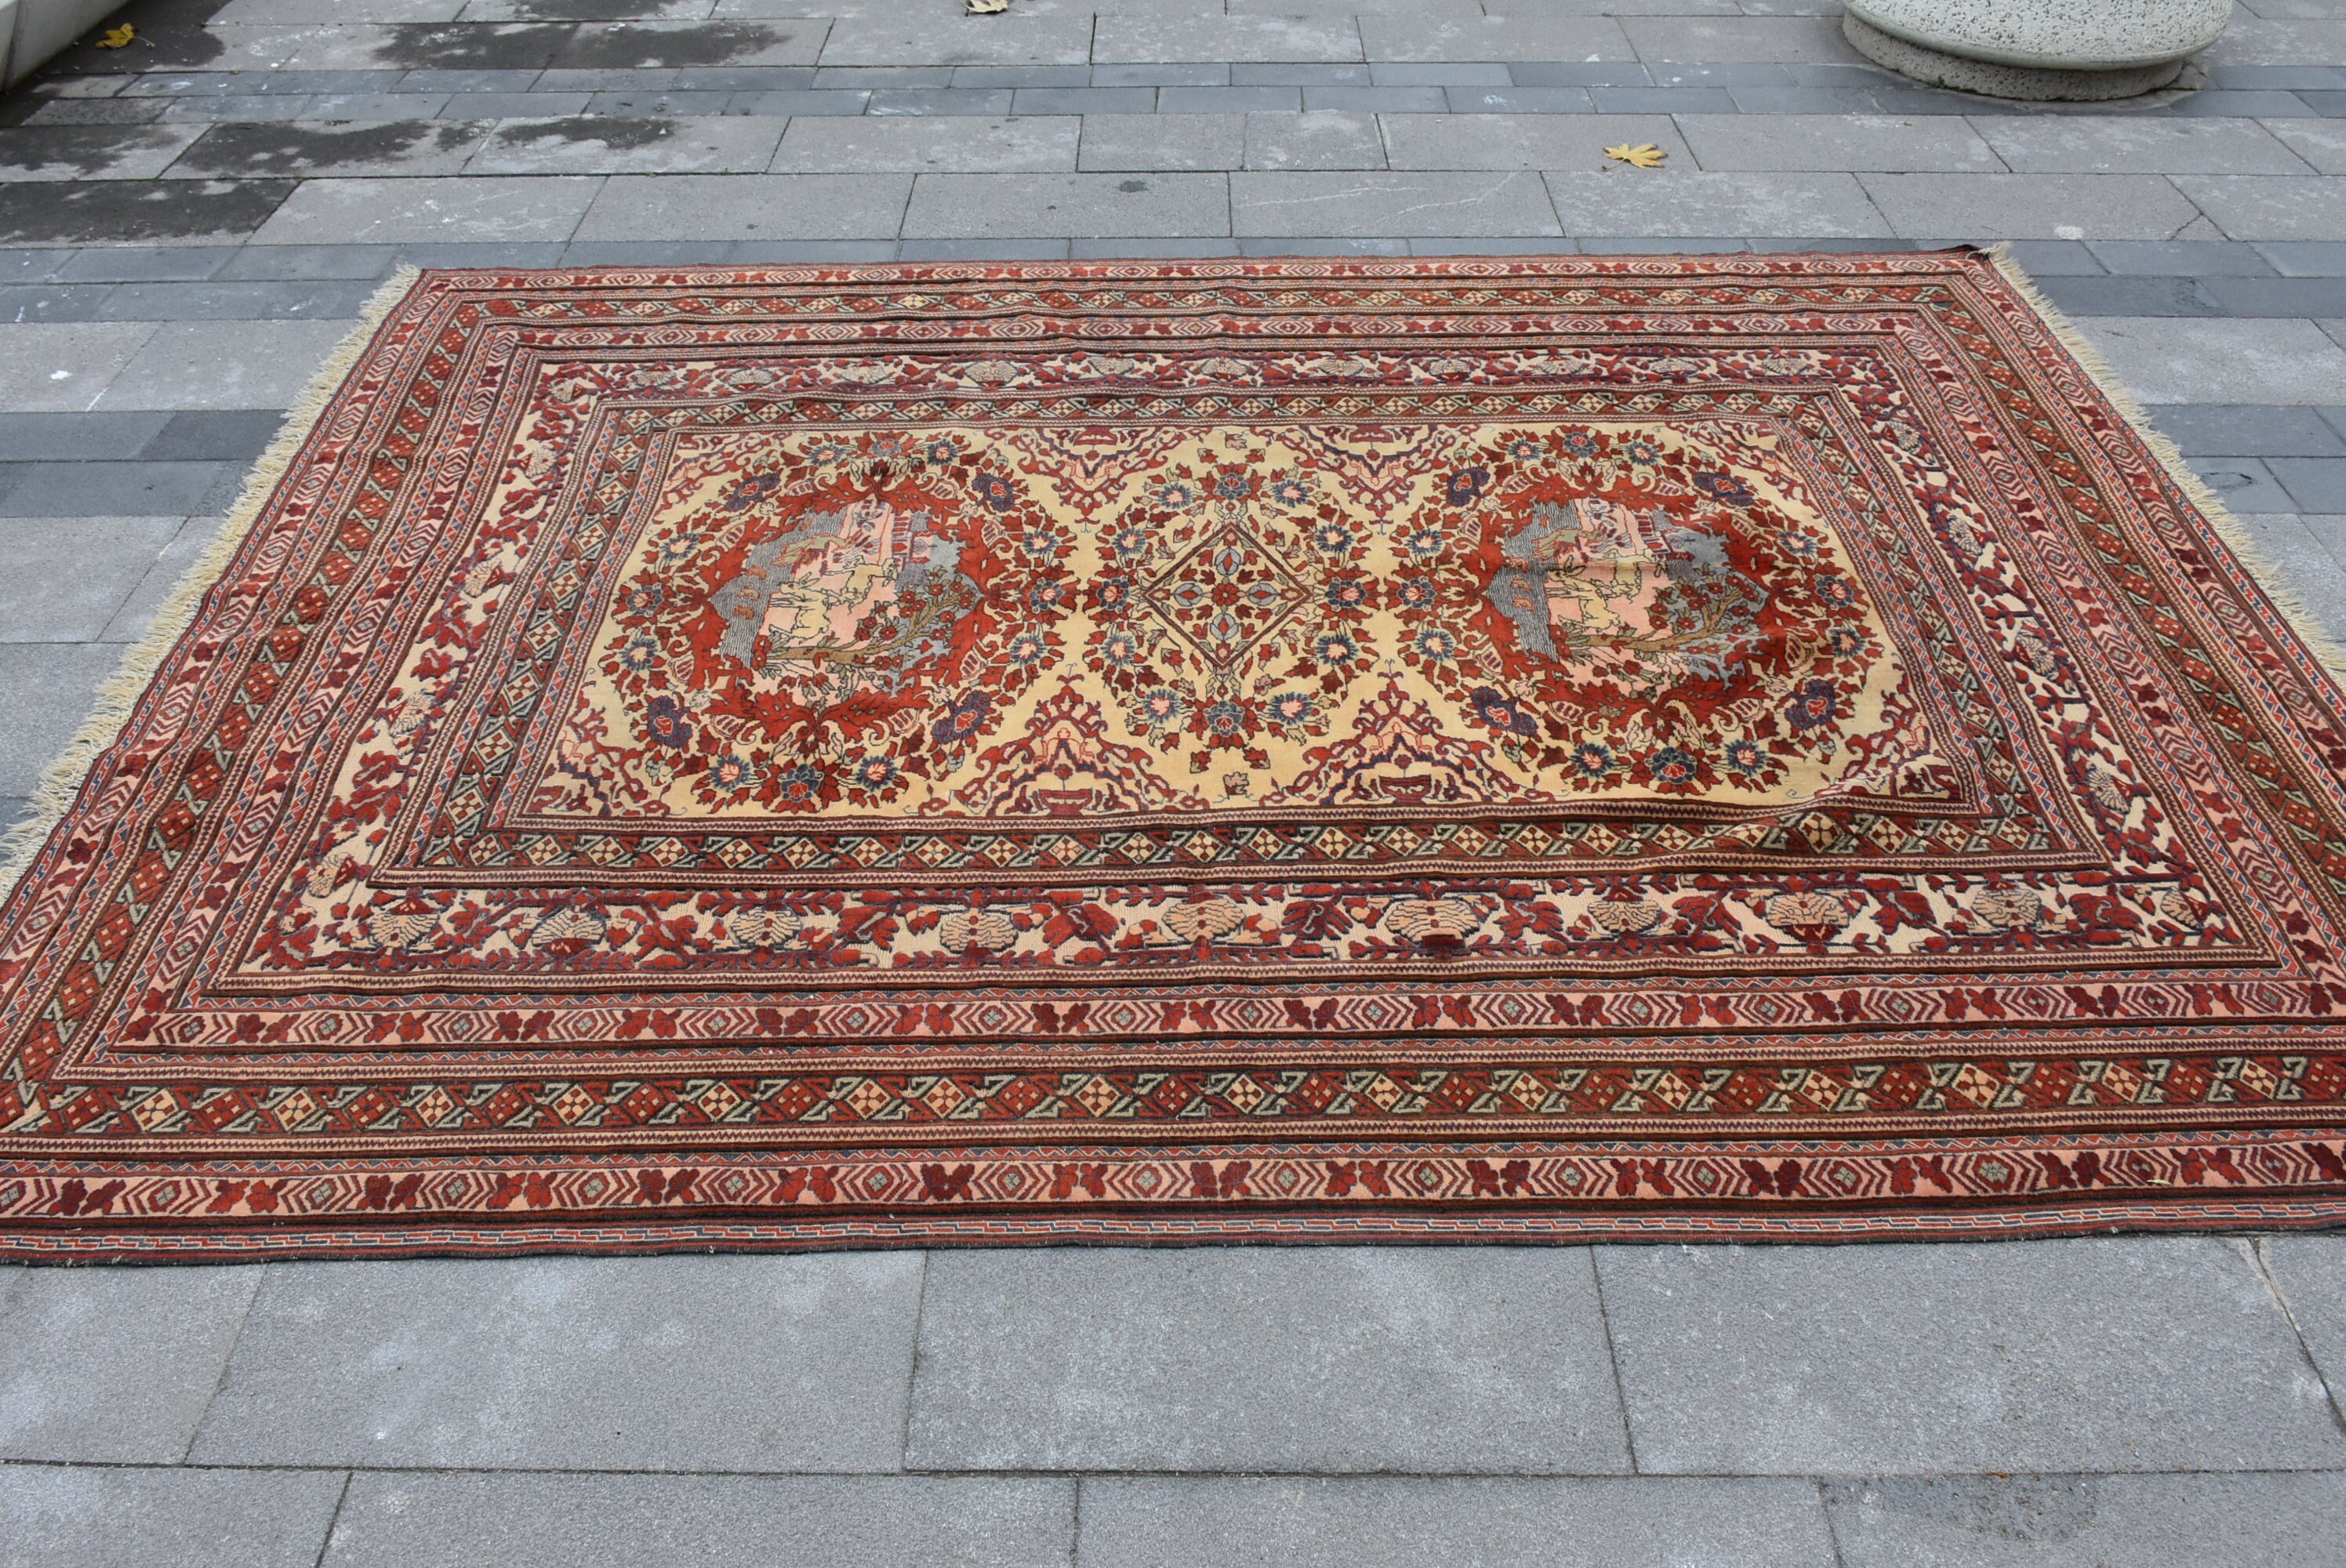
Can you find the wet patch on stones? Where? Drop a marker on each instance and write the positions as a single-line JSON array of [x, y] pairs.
[[278, 146], [621, 48], [171, 37], [129, 212], [78, 149], [618, 135], [472, 47]]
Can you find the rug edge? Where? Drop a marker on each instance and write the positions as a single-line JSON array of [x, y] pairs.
[[116, 701], [2293, 609]]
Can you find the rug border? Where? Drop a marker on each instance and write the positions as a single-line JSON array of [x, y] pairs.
[[117, 697], [2293, 611]]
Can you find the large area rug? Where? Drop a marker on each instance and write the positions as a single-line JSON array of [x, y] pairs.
[[1746, 747]]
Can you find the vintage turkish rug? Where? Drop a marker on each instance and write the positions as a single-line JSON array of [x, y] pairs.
[[1744, 746]]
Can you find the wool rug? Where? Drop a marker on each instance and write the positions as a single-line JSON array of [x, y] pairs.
[[1750, 746]]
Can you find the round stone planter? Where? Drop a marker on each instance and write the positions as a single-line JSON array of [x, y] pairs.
[[2044, 49]]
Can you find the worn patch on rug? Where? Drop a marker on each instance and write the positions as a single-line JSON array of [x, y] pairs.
[[1519, 749]]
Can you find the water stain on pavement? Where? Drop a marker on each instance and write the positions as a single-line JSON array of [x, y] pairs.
[[281, 148]]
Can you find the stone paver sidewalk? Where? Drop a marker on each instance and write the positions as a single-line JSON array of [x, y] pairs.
[[188, 226]]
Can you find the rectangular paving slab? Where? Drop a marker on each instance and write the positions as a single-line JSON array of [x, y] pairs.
[[1306, 1359], [2074, 1355], [694, 1363], [2107, 1521], [77, 1518]]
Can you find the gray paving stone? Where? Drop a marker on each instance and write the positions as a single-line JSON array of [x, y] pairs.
[[1313, 140], [1379, 101], [1154, 73], [2030, 205], [1299, 74], [602, 144], [1441, 75], [70, 437], [62, 579], [2311, 1270], [2315, 297], [1396, 204], [2316, 484], [1384, 1522], [1519, 100], [64, 367], [2102, 295], [2137, 1354], [1768, 100], [2270, 206], [1310, 1359], [2256, 429], [1805, 142], [985, 206], [61, 1517], [1619, 200], [742, 206], [1027, 144], [2176, 359], [1060, 39], [1662, 100], [1123, 36], [1483, 39], [272, 262], [1114, 142], [2122, 144], [1806, 39], [224, 364], [45, 689], [108, 489], [983, 249], [2066, 258], [820, 101], [406, 147], [472, 208], [1022, 77], [2321, 143], [111, 1365], [236, 302], [1623, 71], [2108, 1521], [171, 566], [700, 1363], [1521, 141], [711, 1522]]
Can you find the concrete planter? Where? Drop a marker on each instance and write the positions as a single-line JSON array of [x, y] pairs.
[[32, 31], [2045, 49]]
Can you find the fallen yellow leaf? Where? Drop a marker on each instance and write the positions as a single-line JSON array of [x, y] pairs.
[[118, 37], [1646, 157], [988, 7]]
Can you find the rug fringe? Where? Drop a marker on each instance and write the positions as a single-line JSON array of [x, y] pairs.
[[2318, 640], [117, 698]]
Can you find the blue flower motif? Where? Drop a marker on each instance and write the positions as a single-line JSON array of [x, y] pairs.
[[640, 654], [942, 451], [1465, 486], [751, 491], [1424, 543], [1834, 589], [643, 599], [732, 772], [1028, 648], [875, 772], [1336, 648], [1161, 707], [961, 720], [1846, 642], [1592, 760], [1436, 644], [1121, 650], [1797, 545], [1333, 537], [678, 547], [1745, 759], [1812, 705], [995, 491], [1415, 593], [1038, 542], [1131, 543], [1347, 593], [1524, 449], [1502, 712], [1174, 496], [1725, 489], [666, 723], [1580, 443], [1047, 596], [1234, 486], [1291, 709], [1225, 718], [803, 785], [1289, 491], [1644, 454], [1671, 765]]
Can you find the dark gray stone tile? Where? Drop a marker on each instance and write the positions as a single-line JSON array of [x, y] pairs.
[[1295, 74], [575, 1363], [517, 106], [2056, 258], [2305, 257], [103, 1365], [938, 101], [2251, 430], [1014, 76], [1133, 248], [1759, 100], [1342, 245], [62, 580], [63, 1517], [2182, 258], [747, 207], [1519, 100], [751, 79], [212, 434], [305, 149], [665, 103], [2136, 1354], [872, 77], [1086, 101], [982, 250], [100, 111], [2314, 483], [106, 489], [304, 262], [1378, 100], [2107, 1521], [41, 303], [77, 437], [1729, 74], [33, 266], [1507, 245], [814, 102], [2220, 103], [2315, 297], [711, 1521], [467, 81], [89, 152], [1662, 100], [336, 299], [1578, 73], [1227, 100], [253, 107], [1043, 206], [2181, 360], [1264, 1359], [223, 364], [798, 251], [145, 264], [648, 253], [1393, 1521], [1166, 73], [2135, 296], [1442, 76], [45, 690]]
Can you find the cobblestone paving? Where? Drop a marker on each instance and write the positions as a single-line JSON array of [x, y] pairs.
[[187, 226]]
